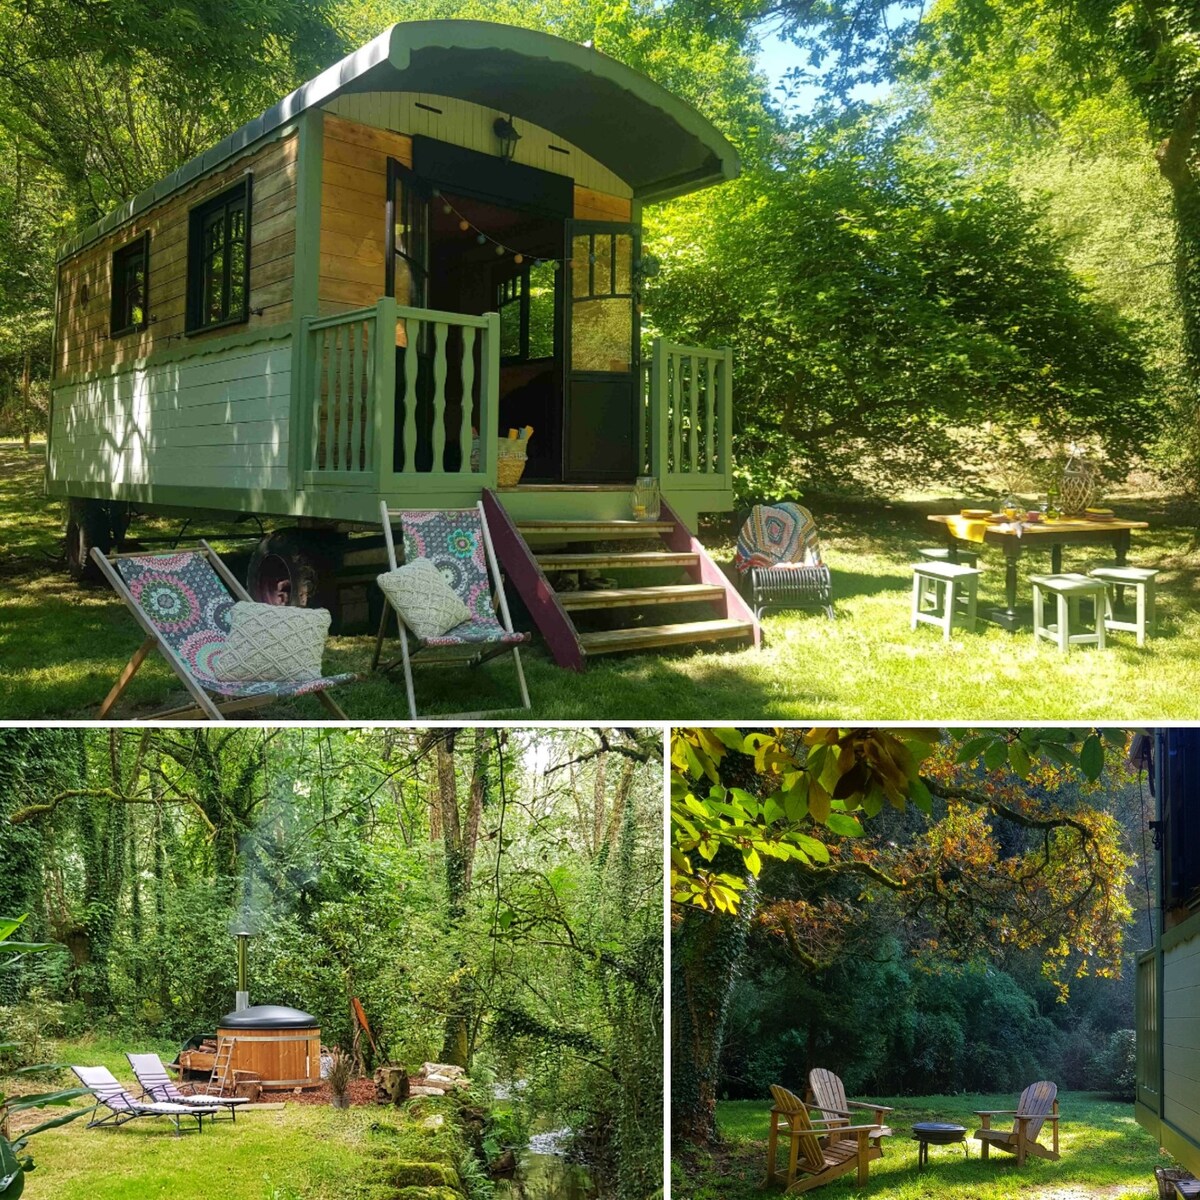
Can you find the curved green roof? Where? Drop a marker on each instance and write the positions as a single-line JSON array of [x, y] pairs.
[[659, 145]]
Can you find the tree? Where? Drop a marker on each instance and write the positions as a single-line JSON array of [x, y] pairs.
[[1004, 857], [893, 321], [1150, 46]]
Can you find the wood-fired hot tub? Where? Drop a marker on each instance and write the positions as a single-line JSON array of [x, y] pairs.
[[281, 1045]]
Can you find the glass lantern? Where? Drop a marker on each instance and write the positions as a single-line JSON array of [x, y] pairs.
[[645, 499], [1079, 486]]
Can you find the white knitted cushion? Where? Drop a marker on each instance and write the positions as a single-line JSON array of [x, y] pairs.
[[273, 643], [427, 604]]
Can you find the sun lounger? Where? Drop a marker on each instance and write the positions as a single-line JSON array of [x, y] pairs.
[[182, 601], [158, 1085], [123, 1107]]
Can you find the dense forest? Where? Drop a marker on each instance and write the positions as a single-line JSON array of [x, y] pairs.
[[953, 275], [493, 899], [919, 912]]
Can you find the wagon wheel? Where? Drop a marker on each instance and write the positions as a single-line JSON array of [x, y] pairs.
[[88, 525], [295, 567]]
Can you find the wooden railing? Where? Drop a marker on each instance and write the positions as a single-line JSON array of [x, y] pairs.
[[394, 393], [689, 416], [1149, 1035], [341, 382]]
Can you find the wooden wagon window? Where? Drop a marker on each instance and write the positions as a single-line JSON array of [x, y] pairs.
[[219, 259], [602, 308], [512, 303], [130, 287]]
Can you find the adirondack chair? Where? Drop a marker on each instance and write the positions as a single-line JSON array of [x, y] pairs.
[[1038, 1104], [811, 1164], [827, 1093]]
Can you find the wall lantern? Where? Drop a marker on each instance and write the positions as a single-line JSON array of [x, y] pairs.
[[506, 131]]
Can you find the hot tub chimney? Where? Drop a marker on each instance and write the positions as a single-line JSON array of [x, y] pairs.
[[243, 935]]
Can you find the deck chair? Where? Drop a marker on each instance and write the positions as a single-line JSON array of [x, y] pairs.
[[182, 598], [811, 1164], [779, 553], [1038, 1104], [827, 1093], [156, 1084], [457, 541], [122, 1107]]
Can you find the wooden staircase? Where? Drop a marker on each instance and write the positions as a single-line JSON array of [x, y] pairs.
[[529, 551]]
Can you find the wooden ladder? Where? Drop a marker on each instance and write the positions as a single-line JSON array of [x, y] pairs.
[[220, 1078], [529, 550]]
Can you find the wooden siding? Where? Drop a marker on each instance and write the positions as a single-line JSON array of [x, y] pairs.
[[591, 205], [1181, 1037], [82, 344], [212, 420], [353, 212], [463, 123], [353, 220]]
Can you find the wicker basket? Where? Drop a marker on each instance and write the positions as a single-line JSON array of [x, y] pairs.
[[510, 460], [1167, 1178]]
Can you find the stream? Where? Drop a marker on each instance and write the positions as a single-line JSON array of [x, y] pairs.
[[544, 1174]]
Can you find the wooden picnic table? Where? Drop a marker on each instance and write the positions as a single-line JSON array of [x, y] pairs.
[[1042, 535]]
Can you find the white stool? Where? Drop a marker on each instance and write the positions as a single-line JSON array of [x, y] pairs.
[[944, 594], [1141, 579], [943, 554], [1069, 592]]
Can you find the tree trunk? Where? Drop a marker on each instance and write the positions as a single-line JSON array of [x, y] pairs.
[[26, 374], [1175, 155], [706, 949]]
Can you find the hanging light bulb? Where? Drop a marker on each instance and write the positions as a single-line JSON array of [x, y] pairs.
[[500, 251], [481, 238], [464, 225], [518, 259]]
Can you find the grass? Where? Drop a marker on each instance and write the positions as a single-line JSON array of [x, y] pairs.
[[298, 1153], [1106, 1155], [62, 646]]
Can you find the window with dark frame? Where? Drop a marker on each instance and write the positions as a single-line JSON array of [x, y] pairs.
[[526, 304], [219, 260], [130, 287]]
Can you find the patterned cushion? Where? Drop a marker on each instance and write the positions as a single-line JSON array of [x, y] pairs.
[[273, 642], [427, 604]]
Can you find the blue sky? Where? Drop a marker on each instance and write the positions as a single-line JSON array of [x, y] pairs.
[[776, 57]]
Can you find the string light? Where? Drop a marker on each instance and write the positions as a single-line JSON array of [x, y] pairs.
[[483, 238]]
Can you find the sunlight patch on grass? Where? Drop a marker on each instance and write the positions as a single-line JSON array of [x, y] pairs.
[[62, 646]]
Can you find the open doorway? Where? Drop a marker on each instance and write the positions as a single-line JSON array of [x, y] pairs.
[[501, 238], [469, 277]]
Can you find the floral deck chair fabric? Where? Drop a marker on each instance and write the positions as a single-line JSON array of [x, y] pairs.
[[458, 543], [182, 601], [779, 550]]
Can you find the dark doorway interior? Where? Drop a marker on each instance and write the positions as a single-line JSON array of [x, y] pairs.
[[471, 277]]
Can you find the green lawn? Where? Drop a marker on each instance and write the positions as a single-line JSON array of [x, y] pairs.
[[297, 1153], [61, 646], [1105, 1156]]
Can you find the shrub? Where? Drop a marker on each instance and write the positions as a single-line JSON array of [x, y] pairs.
[[1114, 1068]]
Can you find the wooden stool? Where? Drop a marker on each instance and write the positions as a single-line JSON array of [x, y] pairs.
[[943, 554], [1141, 579], [1069, 591], [944, 593]]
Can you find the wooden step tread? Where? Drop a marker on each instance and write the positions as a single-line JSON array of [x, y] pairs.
[[677, 593], [572, 525], [610, 641], [638, 558], [579, 531]]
